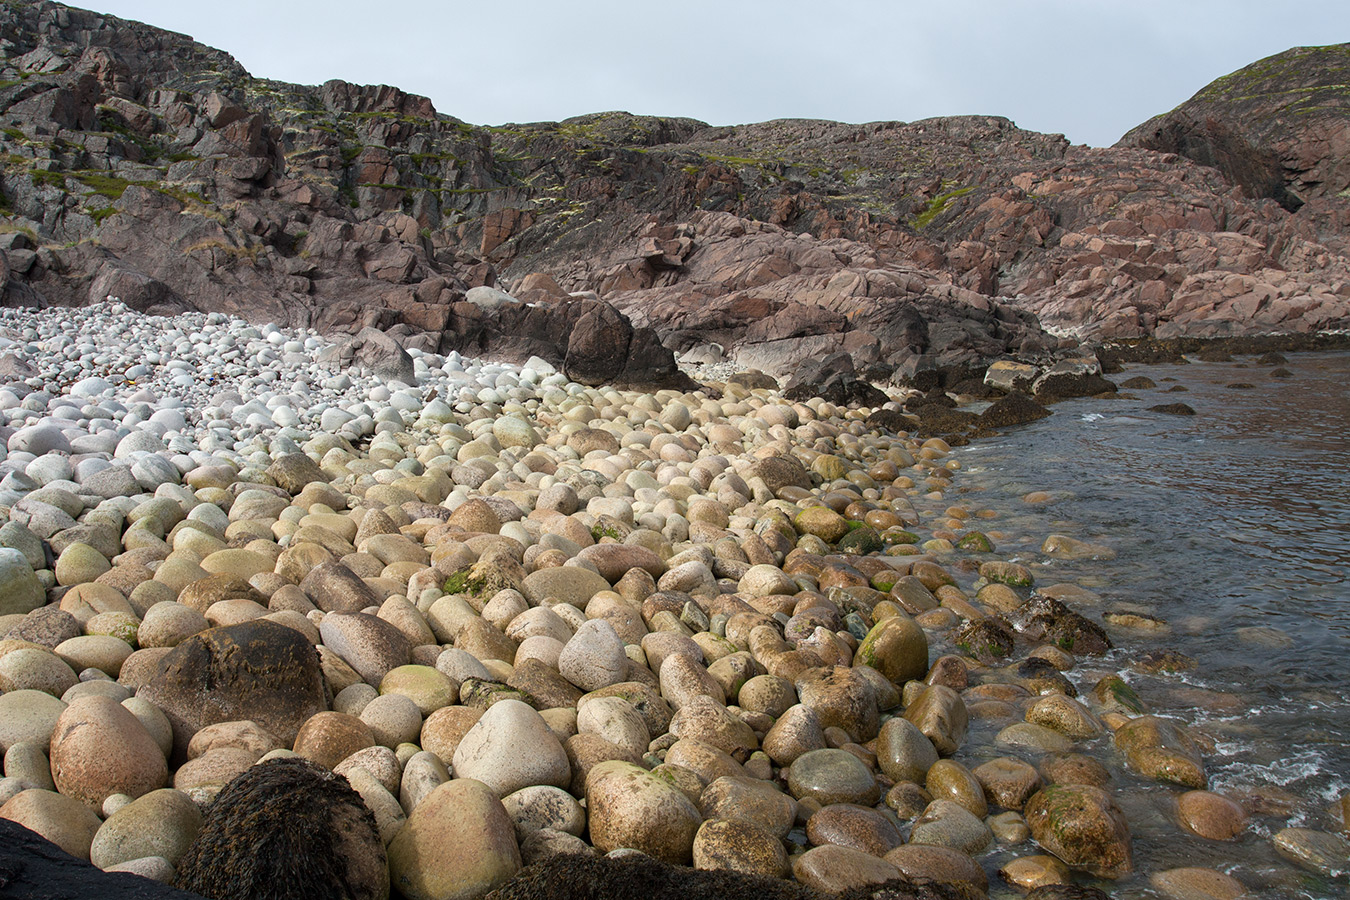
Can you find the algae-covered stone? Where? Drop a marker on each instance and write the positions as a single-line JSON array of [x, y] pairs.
[[281, 817], [739, 846], [897, 648], [630, 807], [1006, 573], [1162, 750], [20, 590], [1082, 826]]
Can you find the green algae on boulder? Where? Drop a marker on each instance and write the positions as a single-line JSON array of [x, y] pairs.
[[1082, 826], [1160, 749], [897, 648]]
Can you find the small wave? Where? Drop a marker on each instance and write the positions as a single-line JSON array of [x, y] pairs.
[[1303, 765]]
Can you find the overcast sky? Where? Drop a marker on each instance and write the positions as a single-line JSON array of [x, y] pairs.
[[1090, 69]]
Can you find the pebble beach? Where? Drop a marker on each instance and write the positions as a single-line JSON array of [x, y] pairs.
[[717, 628]]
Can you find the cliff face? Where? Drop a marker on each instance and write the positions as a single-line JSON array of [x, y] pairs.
[[142, 165], [1279, 127]]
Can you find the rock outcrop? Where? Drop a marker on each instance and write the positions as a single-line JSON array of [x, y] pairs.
[[141, 165], [1279, 127]]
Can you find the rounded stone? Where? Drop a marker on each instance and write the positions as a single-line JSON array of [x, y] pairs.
[[822, 522], [849, 825], [94, 651], [79, 563], [393, 719], [242, 735], [28, 717], [100, 748], [764, 580], [20, 590], [1065, 715], [424, 685], [947, 824], [1211, 815], [617, 721], [835, 869], [739, 846], [897, 648], [66, 822], [459, 843], [1193, 883], [545, 806], [512, 747], [630, 807], [367, 643], [940, 864], [949, 780], [797, 731], [904, 753], [168, 624], [32, 668], [1008, 782], [832, 776], [594, 657], [327, 738], [161, 823], [752, 800], [1039, 870]]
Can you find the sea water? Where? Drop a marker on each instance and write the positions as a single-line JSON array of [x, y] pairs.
[[1231, 527]]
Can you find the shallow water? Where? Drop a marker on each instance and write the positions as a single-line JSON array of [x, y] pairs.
[[1232, 526]]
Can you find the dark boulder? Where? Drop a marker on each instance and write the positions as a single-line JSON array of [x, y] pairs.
[[892, 420], [33, 868], [1072, 378], [1044, 619], [1014, 409], [256, 670], [287, 829], [1173, 409], [569, 876]]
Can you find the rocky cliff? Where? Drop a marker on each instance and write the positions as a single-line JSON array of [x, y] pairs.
[[142, 165]]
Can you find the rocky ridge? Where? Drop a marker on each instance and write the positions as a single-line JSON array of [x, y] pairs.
[[141, 165]]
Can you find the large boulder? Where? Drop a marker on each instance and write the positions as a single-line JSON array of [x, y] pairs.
[[255, 670], [287, 828]]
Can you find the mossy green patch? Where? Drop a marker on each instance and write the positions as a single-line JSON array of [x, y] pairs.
[[937, 206], [976, 541]]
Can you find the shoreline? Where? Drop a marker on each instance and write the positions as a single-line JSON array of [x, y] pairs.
[[832, 588]]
